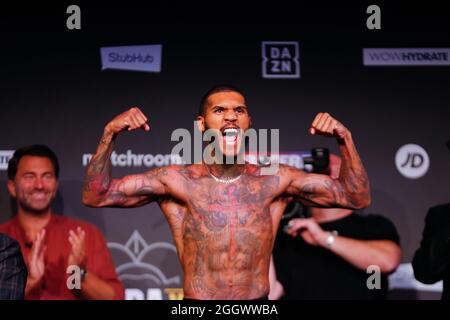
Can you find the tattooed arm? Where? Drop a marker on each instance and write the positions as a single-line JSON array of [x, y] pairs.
[[100, 189], [350, 190]]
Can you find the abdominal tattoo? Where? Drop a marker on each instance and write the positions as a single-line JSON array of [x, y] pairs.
[[228, 234]]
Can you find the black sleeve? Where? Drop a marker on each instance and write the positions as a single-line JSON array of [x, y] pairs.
[[432, 259], [381, 228], [13, 272]]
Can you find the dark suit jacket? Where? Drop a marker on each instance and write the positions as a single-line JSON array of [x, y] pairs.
[[431, 262], [13, 271]]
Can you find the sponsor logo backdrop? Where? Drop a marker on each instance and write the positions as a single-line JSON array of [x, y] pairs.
[[61, 89]]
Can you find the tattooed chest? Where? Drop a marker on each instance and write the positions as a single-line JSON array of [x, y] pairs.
[[220, 214], [216, 218], [230, 206]]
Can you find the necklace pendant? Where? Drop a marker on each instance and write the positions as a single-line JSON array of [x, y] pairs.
[[227, 181]]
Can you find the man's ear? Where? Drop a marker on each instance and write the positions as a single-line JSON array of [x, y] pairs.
[[56, 189], [11, 188], [200, 123]]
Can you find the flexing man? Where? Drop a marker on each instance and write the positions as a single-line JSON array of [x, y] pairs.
[[224, 217]]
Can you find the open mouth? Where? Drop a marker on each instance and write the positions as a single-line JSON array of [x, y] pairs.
[[230, 135], [39, 196]]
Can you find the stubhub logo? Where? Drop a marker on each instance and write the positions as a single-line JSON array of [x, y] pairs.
[[145, 58]]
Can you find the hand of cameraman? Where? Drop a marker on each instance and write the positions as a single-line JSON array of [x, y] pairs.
[[309, 230]]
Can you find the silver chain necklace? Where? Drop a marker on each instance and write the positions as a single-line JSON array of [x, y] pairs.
[[230, 180]]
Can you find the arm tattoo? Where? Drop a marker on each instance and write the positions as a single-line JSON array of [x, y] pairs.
[[350, 190], [98, 172], [335, 193], [353, 176]]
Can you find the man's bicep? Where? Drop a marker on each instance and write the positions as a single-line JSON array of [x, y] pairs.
[[317, 190], [135, 190]]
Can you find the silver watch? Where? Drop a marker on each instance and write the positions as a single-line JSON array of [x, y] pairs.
[[331, 238], [83, 273]]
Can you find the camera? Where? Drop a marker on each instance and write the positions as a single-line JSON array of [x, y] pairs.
[[318, 161]]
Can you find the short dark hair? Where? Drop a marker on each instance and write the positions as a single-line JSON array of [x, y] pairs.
[[216, 89], [37, 150]]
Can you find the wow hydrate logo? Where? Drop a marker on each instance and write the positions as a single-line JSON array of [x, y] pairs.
[[406, 57], [136, 58]]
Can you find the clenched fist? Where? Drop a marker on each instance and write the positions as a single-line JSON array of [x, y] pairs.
[[131, 119], [325, 125]]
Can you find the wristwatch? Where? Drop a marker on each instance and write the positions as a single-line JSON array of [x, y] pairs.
[[331, 238], [83, 273]]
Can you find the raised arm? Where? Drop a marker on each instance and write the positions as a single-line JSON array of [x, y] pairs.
[[350, 190], [101, 190]]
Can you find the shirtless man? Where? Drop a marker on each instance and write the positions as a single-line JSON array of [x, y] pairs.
[[224, 217]]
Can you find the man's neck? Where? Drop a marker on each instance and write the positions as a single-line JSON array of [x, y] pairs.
[[322, 215], [33, 222], [226, 170]]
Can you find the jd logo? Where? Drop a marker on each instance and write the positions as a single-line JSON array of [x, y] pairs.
[[412, 161], [280, 59]]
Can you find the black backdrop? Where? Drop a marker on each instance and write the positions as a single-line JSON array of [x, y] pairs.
[[53, 91]]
